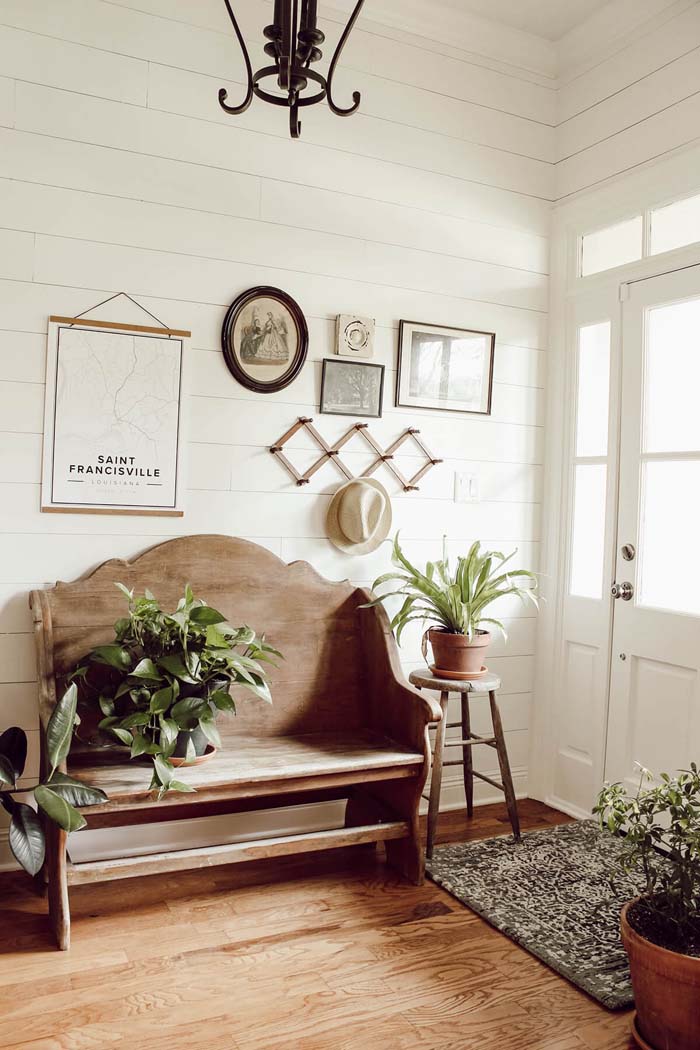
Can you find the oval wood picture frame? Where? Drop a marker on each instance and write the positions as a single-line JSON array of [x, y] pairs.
[[264, 334]]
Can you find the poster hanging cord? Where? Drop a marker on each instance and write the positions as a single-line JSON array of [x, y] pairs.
[[116, 296]]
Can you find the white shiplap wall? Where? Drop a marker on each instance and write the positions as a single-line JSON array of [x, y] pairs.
[[629, 91], [118, 170]]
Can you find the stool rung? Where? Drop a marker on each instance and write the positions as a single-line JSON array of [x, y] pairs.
[[491, 741], [482, 776], [448, 725]]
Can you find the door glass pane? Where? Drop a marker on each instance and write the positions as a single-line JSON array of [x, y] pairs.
[[612, 246], [675, 225], [593, 390], [670, 571], [672, 378], [587, 542]]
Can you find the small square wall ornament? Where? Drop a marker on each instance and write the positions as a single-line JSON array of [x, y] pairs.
[[355, 336]]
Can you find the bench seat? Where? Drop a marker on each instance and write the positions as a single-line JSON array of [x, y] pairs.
[[247, 766]]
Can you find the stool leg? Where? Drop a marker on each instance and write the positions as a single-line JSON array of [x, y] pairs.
[[467, 756], [436, 778], [504, 765]]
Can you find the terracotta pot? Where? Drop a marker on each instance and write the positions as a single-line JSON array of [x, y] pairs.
[[666, 992], [455, 652]]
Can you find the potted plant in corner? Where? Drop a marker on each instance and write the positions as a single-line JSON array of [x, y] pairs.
[[57, 795], [455, 603], [159, 687], [661, 928]]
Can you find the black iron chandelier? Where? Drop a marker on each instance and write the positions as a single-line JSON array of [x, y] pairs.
[[294, 43]]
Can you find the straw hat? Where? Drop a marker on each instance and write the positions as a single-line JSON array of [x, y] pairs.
[[359, 516]]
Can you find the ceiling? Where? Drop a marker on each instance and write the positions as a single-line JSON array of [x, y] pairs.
[[545, 18]]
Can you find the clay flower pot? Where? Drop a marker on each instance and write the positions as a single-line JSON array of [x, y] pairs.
[[666, 993], [456, 653]]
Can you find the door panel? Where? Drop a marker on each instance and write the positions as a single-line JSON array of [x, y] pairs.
[[655, 680]]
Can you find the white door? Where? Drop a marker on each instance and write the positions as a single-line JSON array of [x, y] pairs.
[[654, 706]]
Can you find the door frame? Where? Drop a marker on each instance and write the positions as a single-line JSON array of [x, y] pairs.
[[570, 294]]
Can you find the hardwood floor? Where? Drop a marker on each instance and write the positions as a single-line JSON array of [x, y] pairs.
[[330, 952]]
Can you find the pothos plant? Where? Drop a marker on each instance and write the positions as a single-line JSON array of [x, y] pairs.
[[454, 599], [167, 675], [57, 796], [660, 829]]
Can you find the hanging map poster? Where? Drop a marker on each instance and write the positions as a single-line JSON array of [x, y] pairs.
[[113, 419]]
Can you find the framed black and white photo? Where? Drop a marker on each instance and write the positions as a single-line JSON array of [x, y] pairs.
[[351, 388], [113, 419], [445, 368], [264, 339]]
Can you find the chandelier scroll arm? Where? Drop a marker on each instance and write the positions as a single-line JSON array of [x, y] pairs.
[[223, 93], [338, 110]]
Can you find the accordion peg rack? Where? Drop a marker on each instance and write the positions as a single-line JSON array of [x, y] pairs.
[[332, 454]]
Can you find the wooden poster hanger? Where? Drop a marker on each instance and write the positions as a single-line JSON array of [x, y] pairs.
[[81, 319]]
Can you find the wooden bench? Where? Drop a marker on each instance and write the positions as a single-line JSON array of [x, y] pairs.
[[344, 722]]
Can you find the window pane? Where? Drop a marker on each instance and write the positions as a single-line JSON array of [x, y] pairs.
[[672, 378], [613, 246], [670, 574], [675, 225], [587, 544], [593, 390]]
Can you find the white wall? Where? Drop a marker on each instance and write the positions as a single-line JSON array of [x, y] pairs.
[[629, 91], [119, 171]]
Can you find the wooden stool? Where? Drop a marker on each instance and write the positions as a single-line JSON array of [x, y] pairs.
[[490, 683]]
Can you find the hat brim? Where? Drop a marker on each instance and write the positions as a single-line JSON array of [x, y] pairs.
[[336, 534]]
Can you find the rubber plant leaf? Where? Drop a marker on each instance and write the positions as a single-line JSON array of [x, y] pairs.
[[74, 792], [59, 731], [26, 838], [60, 811], [13, 745]]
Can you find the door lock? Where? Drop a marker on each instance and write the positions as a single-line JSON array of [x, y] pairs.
[[622, 590]]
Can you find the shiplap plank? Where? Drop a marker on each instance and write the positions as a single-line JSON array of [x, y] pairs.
[[16, 255], [51, 111], [648, 140], [195, 95], [655, 93], [85, 264], [7, 102], [20, 458], [15, 615], [43, 60], [631, 63], [17, 658], [22, 407], [19, 705], [22, 356], [76, 214]]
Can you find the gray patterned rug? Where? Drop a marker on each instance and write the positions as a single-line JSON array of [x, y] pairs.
[[550, 894]]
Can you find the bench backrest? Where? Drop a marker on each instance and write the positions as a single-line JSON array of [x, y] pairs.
[[319, 686]]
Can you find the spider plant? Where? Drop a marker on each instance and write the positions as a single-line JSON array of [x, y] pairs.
[[454, 601]]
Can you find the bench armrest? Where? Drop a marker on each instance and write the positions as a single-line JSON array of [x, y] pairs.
[[397, 709]]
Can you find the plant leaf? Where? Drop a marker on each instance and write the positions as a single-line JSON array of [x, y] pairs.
[[147, 670], [163, 769], [59, 731], [7, 772], [60, 811], [122, 734], [205, 615], [112, 655], [161, 701], [26, 838], [175, 665], [13, 745], [178, 785], [208, 727], [75, 792]]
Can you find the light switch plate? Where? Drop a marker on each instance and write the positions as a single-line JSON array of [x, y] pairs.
[[466, 487]]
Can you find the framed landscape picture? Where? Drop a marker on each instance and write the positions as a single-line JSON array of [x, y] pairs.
[[445, 368], [113, 421], [351, 388], [264, 339]]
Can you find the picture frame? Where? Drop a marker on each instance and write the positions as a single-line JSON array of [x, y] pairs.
[[352, 388], [113, 419], [445, 368], [354, 336], [264, 339]]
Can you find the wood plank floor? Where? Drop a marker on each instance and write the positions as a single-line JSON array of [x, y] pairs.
[[330, 952]]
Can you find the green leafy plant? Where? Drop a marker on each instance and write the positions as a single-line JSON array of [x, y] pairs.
[[57, 796], [167, 675], [661, 829], [456, 601]]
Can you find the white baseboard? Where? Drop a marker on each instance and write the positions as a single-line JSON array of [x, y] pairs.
[[568, 808], [139, 839]]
